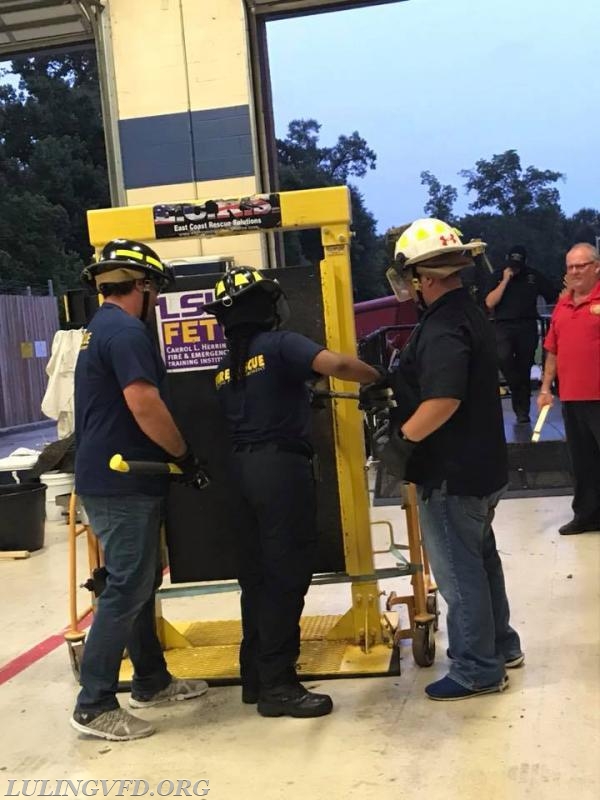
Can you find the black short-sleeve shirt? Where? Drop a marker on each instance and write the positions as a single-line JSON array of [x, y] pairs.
[[117, 349], [519, 301], [452, 353], [272, 403]]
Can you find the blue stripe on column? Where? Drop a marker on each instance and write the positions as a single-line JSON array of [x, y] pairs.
[[181, 148], [222, 143]]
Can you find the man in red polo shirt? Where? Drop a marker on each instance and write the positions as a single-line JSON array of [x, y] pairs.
[[573, 354]]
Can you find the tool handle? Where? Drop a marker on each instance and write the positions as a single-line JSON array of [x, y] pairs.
[[535, 437], [119, 464], [325, 394]]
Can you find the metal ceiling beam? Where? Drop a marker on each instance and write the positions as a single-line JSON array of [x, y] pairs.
[[276, 9], [31, 35], [33, 5]]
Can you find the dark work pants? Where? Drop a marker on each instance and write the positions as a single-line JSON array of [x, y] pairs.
[[582, 428], [516, 343], [128, 528], [276, 549]]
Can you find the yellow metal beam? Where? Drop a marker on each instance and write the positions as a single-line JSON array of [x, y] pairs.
[[309, 208]]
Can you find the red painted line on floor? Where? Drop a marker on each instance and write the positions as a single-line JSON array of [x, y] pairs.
[[37, 652]]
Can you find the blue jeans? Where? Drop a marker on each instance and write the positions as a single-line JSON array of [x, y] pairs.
[[460, 543], [128, 528]]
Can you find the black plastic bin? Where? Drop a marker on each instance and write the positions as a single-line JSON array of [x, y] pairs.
[[22, 516]]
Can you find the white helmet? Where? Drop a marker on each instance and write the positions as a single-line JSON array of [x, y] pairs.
[[428, 238]]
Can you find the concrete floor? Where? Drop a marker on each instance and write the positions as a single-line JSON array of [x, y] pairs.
[[385, 739]]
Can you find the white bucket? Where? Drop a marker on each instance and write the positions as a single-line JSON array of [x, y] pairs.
[[57, 483]]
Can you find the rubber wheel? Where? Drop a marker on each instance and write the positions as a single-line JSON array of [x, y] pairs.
[[432, 608], [423, 645]]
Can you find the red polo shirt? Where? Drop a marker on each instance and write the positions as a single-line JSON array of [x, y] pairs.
[[574, 338]]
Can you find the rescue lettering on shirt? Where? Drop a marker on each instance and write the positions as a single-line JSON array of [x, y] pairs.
[[85, 340], [253, 365]]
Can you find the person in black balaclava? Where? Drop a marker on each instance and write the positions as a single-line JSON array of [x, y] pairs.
[[513, 301]]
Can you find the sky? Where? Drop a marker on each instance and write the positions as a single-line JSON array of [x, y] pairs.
[[439, 84]]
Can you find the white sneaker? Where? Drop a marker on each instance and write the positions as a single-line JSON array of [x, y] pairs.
[[176, 690], [118, 725]]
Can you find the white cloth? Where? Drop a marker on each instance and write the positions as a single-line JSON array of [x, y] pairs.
[[58, 401], [21, 458]]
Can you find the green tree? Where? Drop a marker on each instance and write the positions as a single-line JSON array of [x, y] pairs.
[[441, 198], [502, 185], [513, 205], [304, 164], [583, 226], [52, 168]]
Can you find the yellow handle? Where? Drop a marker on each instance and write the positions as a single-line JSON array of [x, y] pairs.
[[118, 463]]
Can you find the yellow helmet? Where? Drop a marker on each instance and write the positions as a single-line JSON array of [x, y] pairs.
[[243, 283]]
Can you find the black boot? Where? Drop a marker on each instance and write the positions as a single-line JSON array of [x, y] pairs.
[[249, 694], [293, 701], [574, 526]]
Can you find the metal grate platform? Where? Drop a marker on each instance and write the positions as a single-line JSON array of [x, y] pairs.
[[213, 650]]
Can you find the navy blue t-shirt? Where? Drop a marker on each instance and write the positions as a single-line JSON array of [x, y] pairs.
[[272, 403], [117, 349]]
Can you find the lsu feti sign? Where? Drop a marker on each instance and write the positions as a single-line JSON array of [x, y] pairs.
[[189, 338]]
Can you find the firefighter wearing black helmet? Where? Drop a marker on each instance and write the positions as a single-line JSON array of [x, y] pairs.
[[120, 407], [261, 386]]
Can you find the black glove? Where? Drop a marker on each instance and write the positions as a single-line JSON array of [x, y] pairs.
[[376, 396], [393, 450], [193, 472]]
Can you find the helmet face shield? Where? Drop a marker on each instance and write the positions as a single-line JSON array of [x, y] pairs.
[[401, 284]]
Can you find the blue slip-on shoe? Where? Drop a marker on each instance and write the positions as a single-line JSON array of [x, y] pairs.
[[448, 689]]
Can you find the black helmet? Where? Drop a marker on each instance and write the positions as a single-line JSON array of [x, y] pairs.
[[238, 286], [129, 257]]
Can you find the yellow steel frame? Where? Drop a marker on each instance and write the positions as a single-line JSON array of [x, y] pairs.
[[328, 209]]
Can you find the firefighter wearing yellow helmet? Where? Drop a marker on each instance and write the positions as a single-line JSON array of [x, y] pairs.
[[261, 387], [446, 435]]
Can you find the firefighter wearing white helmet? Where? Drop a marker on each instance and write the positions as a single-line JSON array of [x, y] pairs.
[[446, 435], [428, 247]]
